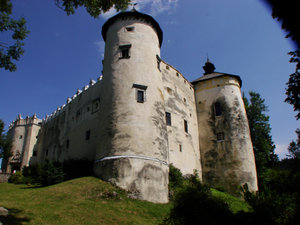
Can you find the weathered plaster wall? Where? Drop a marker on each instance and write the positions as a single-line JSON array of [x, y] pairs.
[[226, 163], [180, 103], [23, 135], [64, 135], [132, 130]]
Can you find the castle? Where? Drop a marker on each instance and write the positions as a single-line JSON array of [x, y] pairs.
[[143, 115]]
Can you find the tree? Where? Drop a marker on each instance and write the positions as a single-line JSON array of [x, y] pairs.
[[93, 7], [13, 51], [5, 144], [294, 147], [260, 130], [293, 85]]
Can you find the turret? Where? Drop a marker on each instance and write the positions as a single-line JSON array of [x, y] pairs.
[[133, 151], [225, 143]]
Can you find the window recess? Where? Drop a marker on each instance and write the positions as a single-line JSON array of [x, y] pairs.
[[140, 92], [124, 51]]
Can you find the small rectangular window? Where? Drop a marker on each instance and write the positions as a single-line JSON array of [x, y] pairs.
[[130, 29], [168, 118], [87, 135], [180, 148], [220, 136], [186, 129], [140, 96], [218, 109], [68, 143], [124, 50]]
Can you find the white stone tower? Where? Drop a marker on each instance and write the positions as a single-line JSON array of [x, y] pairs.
[[23, 135], [224, 136], [133, 150]]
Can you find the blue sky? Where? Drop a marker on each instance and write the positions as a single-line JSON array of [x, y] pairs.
[[63, 53]]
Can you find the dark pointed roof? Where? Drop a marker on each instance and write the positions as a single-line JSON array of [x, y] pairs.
[[133, 14]]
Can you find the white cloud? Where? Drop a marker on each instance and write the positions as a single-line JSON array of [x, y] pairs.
[[281, 150], [109, 13], [101, 47], [155, 7], [152, 7]]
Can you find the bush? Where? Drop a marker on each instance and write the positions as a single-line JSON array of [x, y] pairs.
[[194, 204], [176, 179], [17, 178], [55, 172]]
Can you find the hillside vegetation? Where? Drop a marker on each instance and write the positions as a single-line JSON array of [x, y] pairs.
[[86, 200]]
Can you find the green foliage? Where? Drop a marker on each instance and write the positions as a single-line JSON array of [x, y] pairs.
[[54, 172], [294, 147], [12, 51], [293, 85], [93, 7], [260, 131], [5, 144], [194, 204], [16, 178], [176, 179]]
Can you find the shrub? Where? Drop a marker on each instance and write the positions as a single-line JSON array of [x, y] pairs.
[[17, 178], [194, 204], [176, 179]]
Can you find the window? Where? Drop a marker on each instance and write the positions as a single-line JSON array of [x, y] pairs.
[[95, 105], [129, 29], [87, 135], [186, 129], [140, 92], [218, 109], [124, 50], [68, 143], [47, 151], [140, 96], [220, 136], [180, 148], [158, 59], [168, 118]]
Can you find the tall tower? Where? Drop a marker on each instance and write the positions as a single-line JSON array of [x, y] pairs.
[[23, 135], [225, 143], [133, 150]]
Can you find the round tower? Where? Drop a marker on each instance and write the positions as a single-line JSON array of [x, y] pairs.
[[225, 143], [133, 151]]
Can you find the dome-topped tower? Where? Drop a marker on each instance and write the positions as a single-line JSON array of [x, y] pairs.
[[227, 156], [133, 151]]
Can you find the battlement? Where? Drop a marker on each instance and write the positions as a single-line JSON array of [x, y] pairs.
[[27, 121], [62, 108]]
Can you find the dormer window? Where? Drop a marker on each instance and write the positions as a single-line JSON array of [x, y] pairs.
[[124, 51]]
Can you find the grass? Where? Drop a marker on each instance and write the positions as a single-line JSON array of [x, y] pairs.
[[235, 204], [86, 200]]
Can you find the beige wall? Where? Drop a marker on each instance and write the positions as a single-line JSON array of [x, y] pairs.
[[180, 102], [134, 131], [226, 163]]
